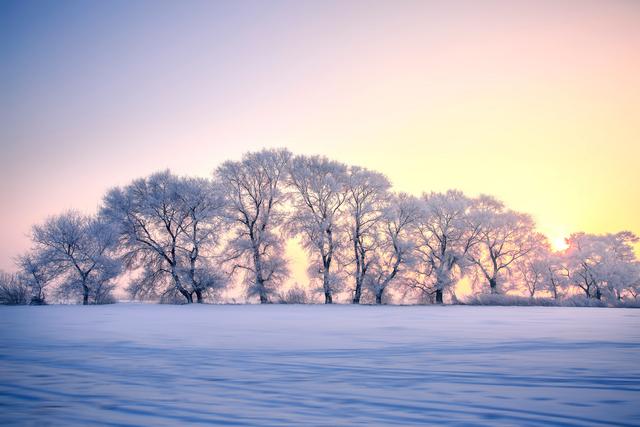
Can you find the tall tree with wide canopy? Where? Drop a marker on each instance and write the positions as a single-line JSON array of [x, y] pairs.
[[253, 191], [319, 194], [163, 223]]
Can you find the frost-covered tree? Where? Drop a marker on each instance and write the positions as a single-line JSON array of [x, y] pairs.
[[366, 198], [633, 288], [395, 237], [554, 275], [80, 247], [164, 224], [201, 233], [444, 238], [38, 273], [601, 264], [504, 236], [253, 191], [532, 270], [319, 186]]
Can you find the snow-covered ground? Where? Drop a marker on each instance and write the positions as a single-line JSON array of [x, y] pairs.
[[131, 364]]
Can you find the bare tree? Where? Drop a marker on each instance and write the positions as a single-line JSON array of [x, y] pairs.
[[253, 190], [445, 237], [80, 248], [366, 193], [504, 236], [396, 243], [319, 194]]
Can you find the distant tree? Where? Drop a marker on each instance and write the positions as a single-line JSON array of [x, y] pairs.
[[633, 288], [599, 264], [319, 193], [444, 240], [12, 290], [38, 273], [395, 237], [253, 191], [366, 198], [504, 237], [554, 275], [79, 248], [532, 270]]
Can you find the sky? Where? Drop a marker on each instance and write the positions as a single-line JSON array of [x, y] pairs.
[[534, 102]]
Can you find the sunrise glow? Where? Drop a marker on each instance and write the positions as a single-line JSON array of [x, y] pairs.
[[559, 244], [320, 212]]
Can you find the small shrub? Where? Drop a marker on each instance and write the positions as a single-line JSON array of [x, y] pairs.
[[295, 295], [581, 301], [510, 300], [627, 303]]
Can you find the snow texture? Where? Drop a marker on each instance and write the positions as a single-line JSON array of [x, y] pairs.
[[131, 364]]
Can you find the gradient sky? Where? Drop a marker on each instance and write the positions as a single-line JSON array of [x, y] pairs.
[[537, 103]]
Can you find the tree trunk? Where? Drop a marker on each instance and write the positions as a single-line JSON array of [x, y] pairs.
[[263, 292], [598, 294], [328, 298], [85, 295], [493, 284], [358, 293], [439, 299], [186, 295], [257, 262], [199, 296], [379, 296]]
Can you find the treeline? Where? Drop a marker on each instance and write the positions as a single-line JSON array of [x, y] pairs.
[[183, 239]]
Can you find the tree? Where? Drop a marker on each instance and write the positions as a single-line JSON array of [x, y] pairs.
[[164, 225], [599, 264], [80, 248], [366, 194], [38, 273], [395, 249], [504, 237], [554, 279], [203, 203], [253, 191], [633, 288], [319, 194], [531, 270], [445, 237]]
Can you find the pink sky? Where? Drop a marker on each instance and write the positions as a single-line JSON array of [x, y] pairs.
[[537, 103]]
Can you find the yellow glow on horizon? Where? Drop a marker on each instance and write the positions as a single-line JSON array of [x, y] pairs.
[[559, 244]]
